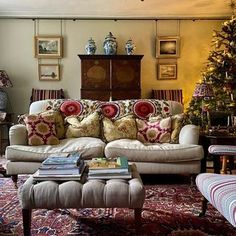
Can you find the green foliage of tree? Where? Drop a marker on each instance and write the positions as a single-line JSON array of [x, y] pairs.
[[220, 72]]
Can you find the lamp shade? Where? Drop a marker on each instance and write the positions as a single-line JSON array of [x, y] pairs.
[[203, 90], [4, 79], [5, 82]]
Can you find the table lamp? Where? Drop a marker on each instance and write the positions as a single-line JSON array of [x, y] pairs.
[[202, 91], [5, 82]]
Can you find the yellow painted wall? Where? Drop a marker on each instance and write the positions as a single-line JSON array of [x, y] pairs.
[[17, 53]]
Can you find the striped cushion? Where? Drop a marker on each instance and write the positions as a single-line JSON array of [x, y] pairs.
[[42, 94], [220, 191], [168, 94], [222, 150]]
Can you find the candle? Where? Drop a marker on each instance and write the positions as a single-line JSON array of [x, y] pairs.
[[232, 97]]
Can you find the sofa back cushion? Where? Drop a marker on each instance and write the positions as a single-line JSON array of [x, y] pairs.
[[141, 108]]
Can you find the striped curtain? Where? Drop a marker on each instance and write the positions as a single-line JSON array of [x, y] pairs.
[[171, 94], [41, 94]]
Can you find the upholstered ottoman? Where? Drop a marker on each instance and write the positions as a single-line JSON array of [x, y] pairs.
[[220, 191], [111, 193]]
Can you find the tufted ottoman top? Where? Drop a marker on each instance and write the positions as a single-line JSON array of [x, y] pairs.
[[90, 194]]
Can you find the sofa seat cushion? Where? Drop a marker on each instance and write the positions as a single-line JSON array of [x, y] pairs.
[[158, 152], [88, 146]]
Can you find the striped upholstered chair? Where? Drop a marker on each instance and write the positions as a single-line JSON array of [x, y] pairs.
[[220, 191], [42, 94], [168, 94]]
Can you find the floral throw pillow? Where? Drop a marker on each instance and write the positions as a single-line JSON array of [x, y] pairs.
[[154, 132], [87, 127], [59, 122], [176, 125], [123, 128], [41, 130]]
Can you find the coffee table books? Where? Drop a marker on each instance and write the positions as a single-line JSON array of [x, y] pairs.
[[61, 168], [102, 168]]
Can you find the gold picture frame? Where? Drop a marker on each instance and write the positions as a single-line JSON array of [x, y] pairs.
[[48, 46], [167, 71], [49, 72], [168, 47]]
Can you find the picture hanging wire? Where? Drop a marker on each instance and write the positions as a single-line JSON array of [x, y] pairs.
[[61, 33], [178, 27], [156, 34]]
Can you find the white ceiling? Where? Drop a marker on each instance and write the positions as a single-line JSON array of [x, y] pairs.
[[115, 8]]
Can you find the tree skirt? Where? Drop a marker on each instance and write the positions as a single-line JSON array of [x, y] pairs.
[[169, 209]]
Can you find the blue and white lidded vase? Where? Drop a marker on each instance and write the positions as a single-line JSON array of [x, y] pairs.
[[130, 47], [90, 47], [110, 45]]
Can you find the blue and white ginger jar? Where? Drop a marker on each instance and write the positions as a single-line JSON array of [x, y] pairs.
[[110, 45], [130, 47], [90, 47]]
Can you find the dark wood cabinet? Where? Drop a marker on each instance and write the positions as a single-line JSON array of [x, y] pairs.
[[105, 77]]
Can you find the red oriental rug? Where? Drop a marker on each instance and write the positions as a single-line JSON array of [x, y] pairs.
[[169, 209]]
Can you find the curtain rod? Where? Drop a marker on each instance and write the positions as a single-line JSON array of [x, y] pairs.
[[114, 18]]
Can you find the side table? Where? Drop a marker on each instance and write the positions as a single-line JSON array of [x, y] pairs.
[[4, 126], [206, 140]]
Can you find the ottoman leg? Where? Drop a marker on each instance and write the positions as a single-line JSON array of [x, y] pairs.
[[26, 214], [138, 217], [204, 206]]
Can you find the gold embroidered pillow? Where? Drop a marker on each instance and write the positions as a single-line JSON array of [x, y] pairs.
[[41, 130], [123, 128], [154, 132], [87, 127], [176, 125]]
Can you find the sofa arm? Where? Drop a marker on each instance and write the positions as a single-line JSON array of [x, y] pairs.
[[189, 134], [18, 135]]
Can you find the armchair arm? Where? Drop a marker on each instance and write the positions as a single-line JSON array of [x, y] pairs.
[[189, 134], [18, 135]]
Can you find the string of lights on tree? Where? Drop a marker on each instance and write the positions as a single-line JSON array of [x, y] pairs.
[[220, 72]]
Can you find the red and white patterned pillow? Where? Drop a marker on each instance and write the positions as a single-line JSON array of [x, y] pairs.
[[71, 107], [154, 132], [41, 130]]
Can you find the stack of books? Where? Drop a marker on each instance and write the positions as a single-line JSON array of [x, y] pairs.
[[102, 168], [61, 168]]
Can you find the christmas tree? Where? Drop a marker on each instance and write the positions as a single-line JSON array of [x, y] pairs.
[[220, 73]]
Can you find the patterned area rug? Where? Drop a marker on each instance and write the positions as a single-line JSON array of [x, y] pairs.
[[169, 209]]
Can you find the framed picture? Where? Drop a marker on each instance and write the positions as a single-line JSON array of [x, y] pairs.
[[167, 47], [49, 72], [167, 71], [48, 46]]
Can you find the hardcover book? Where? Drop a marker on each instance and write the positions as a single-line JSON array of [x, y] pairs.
[[60, 160], [103, 165], [127, 175]]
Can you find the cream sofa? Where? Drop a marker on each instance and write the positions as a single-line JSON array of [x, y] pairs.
[[158, 158]]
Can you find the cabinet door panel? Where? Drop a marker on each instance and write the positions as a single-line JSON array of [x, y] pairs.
[[95, 74], [102, 95], [126, 74], [125, 94]]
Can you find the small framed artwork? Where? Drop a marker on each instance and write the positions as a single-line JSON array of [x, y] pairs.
[[48, 46], [167, 47], [167, 71], [49, 72]]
